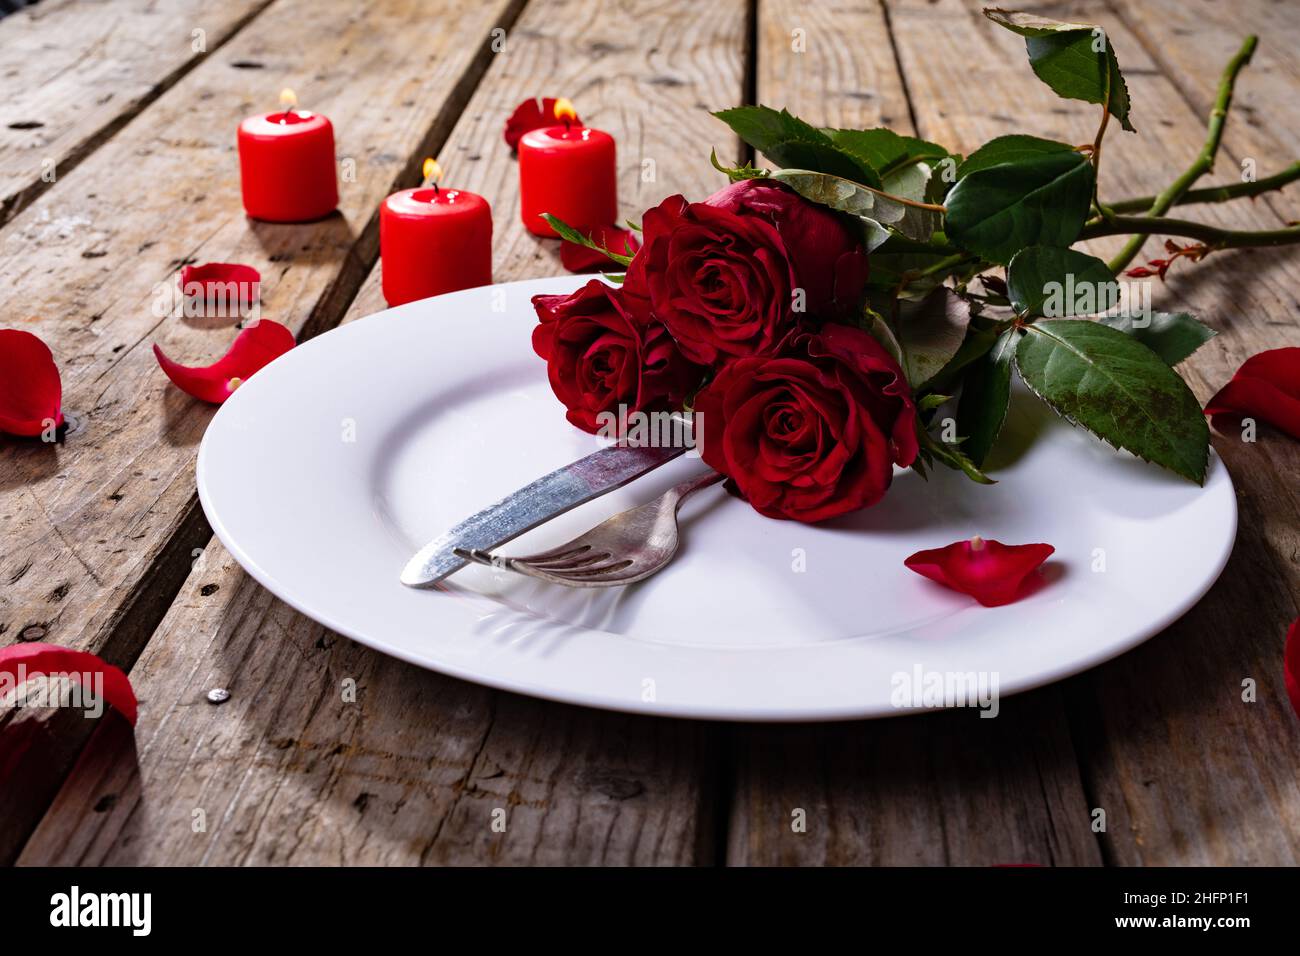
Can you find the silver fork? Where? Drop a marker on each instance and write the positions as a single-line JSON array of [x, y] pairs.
[[624, 549]]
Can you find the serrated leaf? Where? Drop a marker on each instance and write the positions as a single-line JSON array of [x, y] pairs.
[[875, 210], [567, 232], [1118, 389], [930, 332], [1010, 149], [985, 396], [913, 183], [1171, 335], [790, 142], [1043, 200], [884, 150], [1075, 59], [1059, 283]]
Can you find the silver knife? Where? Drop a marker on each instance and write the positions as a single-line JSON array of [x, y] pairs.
[[547, 497]]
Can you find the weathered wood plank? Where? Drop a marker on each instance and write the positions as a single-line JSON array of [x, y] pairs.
[[944, 788], [75, 71], [939, 789], [1192, 39], [96, 532], [289, 772], [1186, 771], [414, 768]]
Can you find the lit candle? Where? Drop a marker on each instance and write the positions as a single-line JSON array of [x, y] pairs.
[[434, 240], [568, 171], [286, 164]]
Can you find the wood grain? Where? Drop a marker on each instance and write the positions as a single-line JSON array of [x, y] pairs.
[[75, 71], [413, 770], [97, 532], [1191, 40], [947, 788], [1186, 770]]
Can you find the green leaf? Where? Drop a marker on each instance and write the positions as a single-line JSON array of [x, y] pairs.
[[1010, 149], [913, 183], [1171, 335], [879, 329], [734, 173], [884, 150], [565, 231], [1075, 59], [928, 403], [985, 396], [930, 332], [788, 141], [1042, 200], [950, 455], [873, 209], [1118, 389], [979, 339], [1058, 283]]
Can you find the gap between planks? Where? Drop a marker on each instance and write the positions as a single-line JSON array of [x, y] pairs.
[[146, 599]]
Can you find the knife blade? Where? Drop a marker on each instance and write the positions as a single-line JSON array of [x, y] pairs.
[[546, 498]]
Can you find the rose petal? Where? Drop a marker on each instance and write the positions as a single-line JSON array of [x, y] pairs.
[[37, 659], [212, 283], [1266, 387], [530, 114], [1291, 665], [257, 345], [578, 258], [30, 390], [992, 573]]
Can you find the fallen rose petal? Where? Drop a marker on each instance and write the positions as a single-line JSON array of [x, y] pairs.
[[221, 283], [989, 571], [31, 393], [1266, 387], [532, 114], [577, 258], [22, 662], [1291, 665], [257, 345]]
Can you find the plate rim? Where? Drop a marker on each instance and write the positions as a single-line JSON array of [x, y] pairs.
[[671, 709]]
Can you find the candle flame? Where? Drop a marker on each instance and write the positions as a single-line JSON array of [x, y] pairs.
[[288, 98], [432, 171], [564, 111]]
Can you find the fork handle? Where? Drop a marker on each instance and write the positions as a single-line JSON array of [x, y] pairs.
[[687, 488]]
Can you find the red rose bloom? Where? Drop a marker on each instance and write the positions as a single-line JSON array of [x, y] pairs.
[[603, 351], [830, 264], [814, 431], [721, 282]]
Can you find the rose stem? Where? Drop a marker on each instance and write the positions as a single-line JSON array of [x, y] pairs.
[[1216, 193], [1203, 162], [1142, 226]]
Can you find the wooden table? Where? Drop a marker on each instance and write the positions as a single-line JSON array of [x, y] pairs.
[[117, 166]]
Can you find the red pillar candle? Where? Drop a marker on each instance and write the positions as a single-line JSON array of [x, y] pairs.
[[286, 165], [434, 240], [568, 171]]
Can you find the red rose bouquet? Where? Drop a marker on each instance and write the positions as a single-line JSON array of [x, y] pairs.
[[864, 305]]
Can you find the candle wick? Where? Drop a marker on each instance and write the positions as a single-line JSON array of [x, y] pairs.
[[434, 184]]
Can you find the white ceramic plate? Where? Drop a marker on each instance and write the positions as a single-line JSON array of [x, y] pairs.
[[328, 469]]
